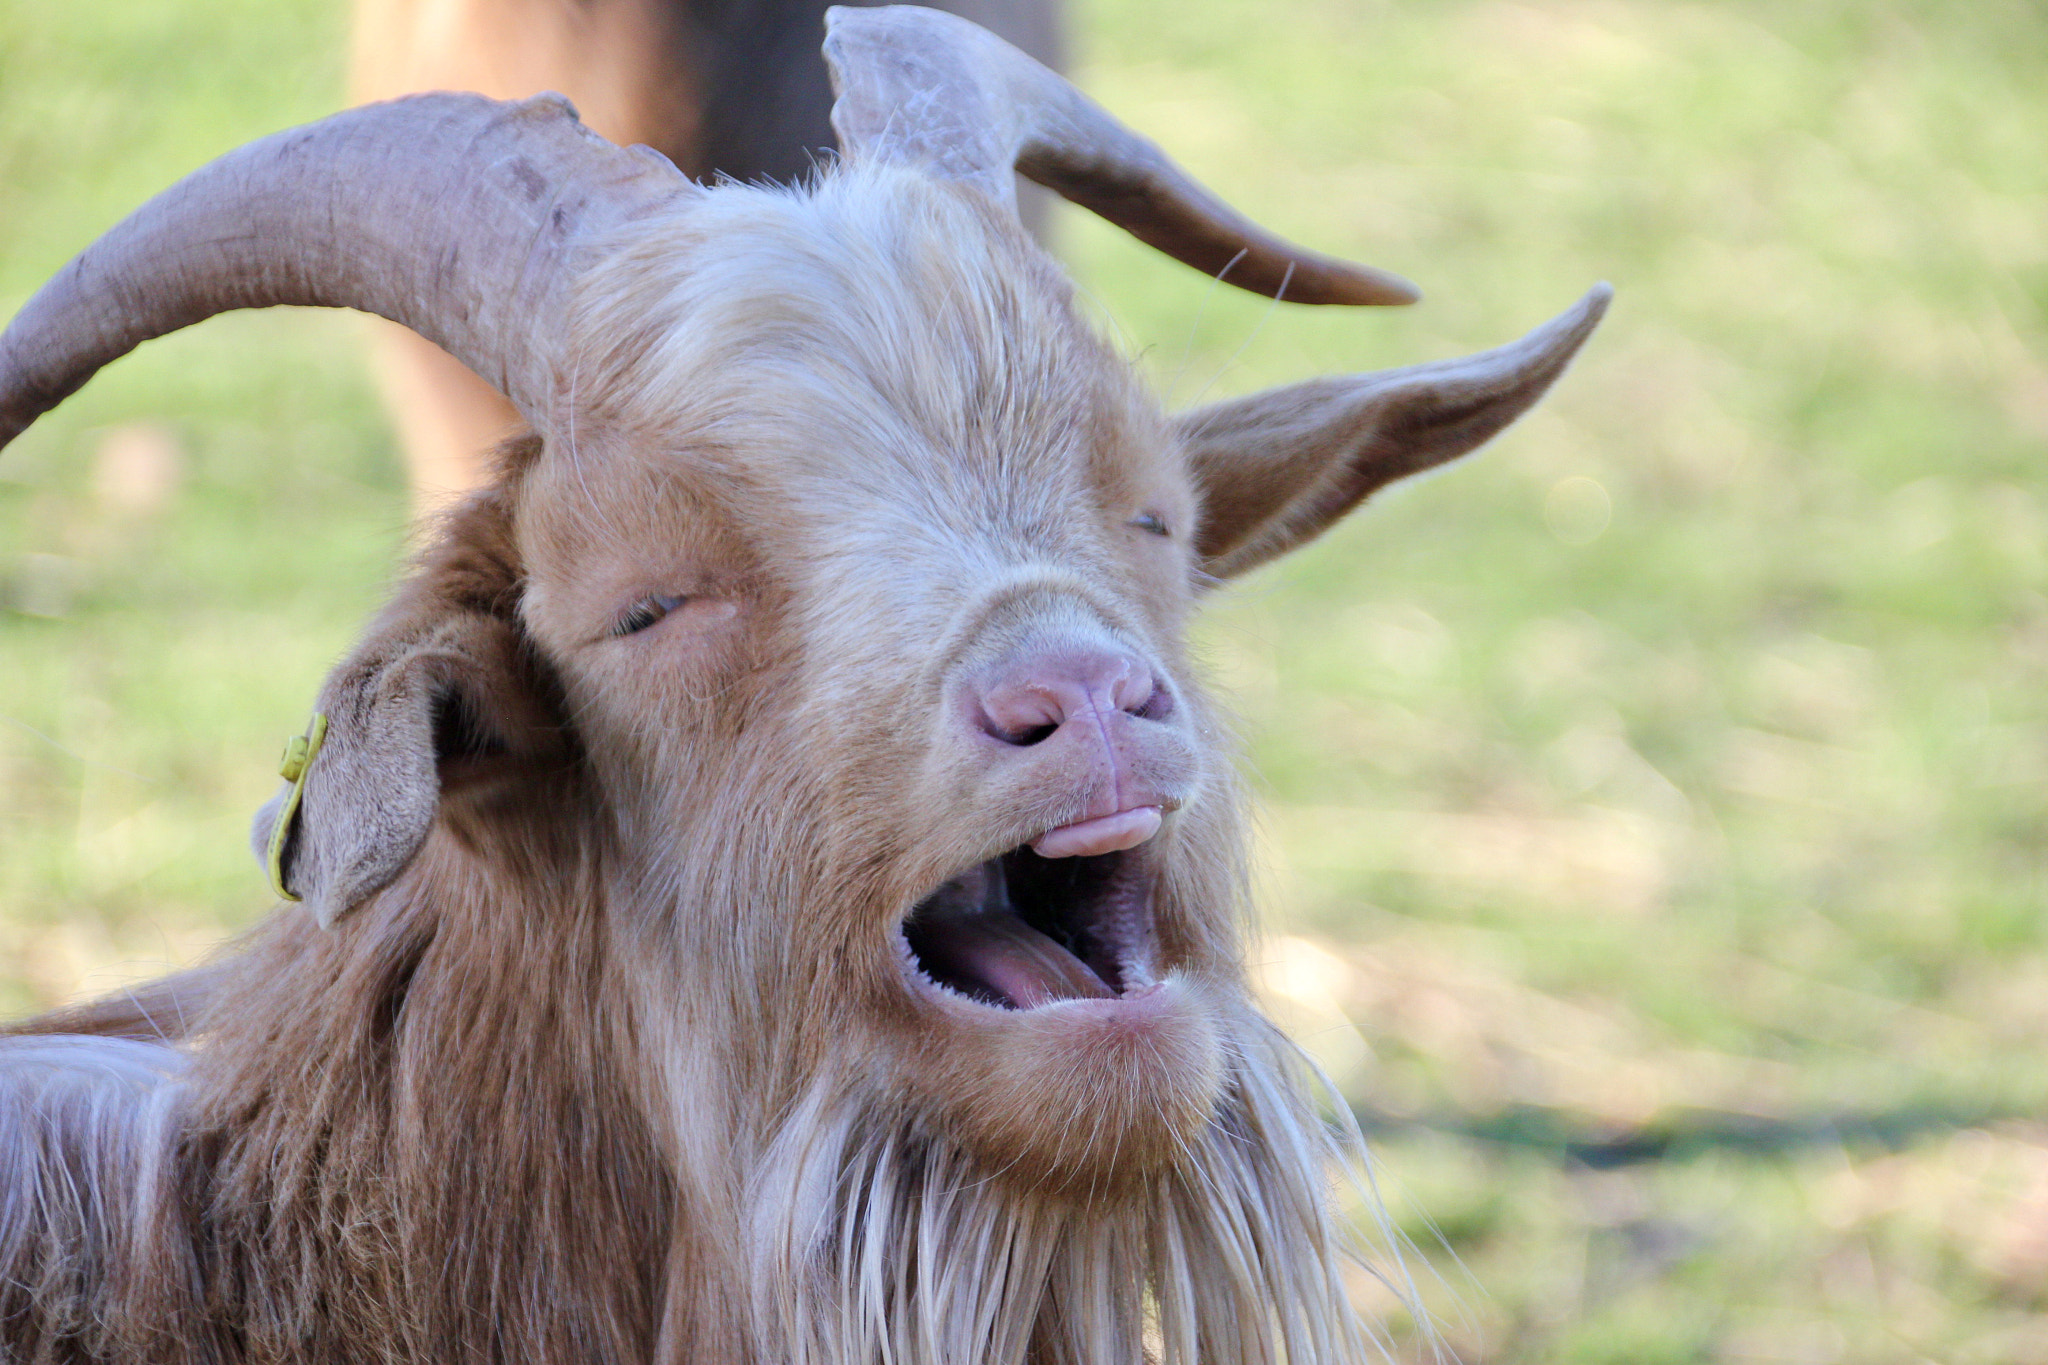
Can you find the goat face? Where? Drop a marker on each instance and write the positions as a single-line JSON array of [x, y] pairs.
[[873, 587], [834, 617]]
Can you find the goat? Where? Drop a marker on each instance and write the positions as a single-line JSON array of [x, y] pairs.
[[721, 87], [773, 888]]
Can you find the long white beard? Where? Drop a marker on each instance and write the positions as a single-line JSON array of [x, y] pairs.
[[873, 1244]]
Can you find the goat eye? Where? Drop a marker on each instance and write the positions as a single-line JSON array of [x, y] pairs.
[[1149, 521], [645, 613]]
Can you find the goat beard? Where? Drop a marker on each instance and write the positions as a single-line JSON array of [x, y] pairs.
[[849, 1229], [865, 1236], [872, 1240]]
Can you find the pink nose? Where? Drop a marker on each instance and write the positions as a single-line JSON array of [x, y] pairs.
[[1027, 701]]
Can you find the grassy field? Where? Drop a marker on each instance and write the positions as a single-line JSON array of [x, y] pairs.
[[1657, 804]]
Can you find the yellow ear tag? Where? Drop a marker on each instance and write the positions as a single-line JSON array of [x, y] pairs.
[[298, 757]]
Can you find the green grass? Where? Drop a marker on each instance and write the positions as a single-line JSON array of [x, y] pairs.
[[1674, 774]]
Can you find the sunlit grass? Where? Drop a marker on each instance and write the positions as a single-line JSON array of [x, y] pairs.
[[1679, 763]]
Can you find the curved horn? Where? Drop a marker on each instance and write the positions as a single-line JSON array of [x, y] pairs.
[[454, 215], [930, 88]]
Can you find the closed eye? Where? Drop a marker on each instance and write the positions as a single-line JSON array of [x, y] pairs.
[[1149, 521], [646, 612]]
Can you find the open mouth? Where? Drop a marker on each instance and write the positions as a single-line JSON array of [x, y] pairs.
[[1020, 931]]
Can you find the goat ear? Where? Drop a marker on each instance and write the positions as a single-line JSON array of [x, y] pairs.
[[1279, 468], [442, 700]]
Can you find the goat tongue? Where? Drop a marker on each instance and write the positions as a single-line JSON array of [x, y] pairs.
[[996, 952]]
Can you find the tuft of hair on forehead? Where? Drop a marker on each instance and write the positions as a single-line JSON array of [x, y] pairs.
[[880, 300]]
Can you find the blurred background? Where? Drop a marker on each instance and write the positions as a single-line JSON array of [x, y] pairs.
[[1656, 804]]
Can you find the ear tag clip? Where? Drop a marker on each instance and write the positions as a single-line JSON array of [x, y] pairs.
[[299, 753]]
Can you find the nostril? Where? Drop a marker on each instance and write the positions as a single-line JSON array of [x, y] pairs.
[[1158, 706], [1134, 689], [1022, 722]]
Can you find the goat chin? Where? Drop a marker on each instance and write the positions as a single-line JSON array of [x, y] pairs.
[[1086, 1097]]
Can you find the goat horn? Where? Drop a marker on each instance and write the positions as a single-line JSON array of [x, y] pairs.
[[931, 89], [452, 214]]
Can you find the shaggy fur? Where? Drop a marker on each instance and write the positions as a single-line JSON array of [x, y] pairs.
[[614, 1051]]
